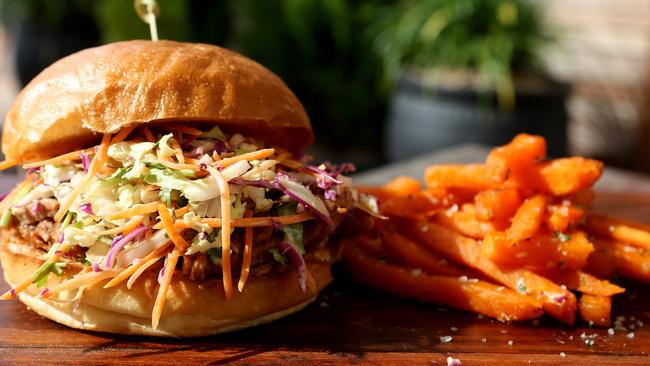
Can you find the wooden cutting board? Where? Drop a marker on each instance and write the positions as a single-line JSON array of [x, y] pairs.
[[352, 324]]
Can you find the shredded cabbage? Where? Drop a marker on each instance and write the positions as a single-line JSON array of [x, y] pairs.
[[193, 221], [214, 133], [75, 236], [194, 190], [205, 243], [53, 175], [163, 145]]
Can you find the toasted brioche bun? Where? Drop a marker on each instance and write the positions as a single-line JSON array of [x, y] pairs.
[[103, 89], [192, 308]]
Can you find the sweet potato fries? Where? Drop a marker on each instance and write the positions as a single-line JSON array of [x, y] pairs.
[[512, 238]]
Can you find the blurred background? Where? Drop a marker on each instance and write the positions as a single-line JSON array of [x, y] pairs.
[[388, 80]]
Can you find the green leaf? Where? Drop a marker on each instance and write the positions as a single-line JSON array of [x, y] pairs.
[[67, 220], [562, 236], [213, 236], [278, 257], [119, 173], [5, 219], [151, 165], [287, 209], [166, 196], [292, 233], [215, 252], [214, 133], [41, 275], [57, 269]]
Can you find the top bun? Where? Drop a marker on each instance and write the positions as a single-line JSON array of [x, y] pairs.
[[102, 89]]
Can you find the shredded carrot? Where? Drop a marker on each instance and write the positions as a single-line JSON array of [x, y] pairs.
[[128, 227], [192, 161], [134, 277], [122, 135], [71, 156], [225, 230], [133, 224], [178, 166], [170, 266], [178, 152], [142, 209], [128, 271], [148, 135], [169, 164], [8, 163], [248, 255], [182, 211], [83, 279], [168, 223], [247, 222], [106, 170], [186, 129], [11, 294], [95, 165], [255, 155]]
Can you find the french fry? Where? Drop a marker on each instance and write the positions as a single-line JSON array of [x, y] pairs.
[[583, 198], [556, 301], [543, 250], [559, 177], [630, 261], [402, 186], [625, 231], [562, 217], [371, 245], [497, 204], [479, 297], [529, 215], [465, 222], [601, 262], [473, 176], [518, 155], [528, 219], [410, 254], [584, 282], [416, 206], [633, 262], [596, 310]]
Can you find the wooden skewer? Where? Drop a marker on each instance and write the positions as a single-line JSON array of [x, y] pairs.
[[148, 10]]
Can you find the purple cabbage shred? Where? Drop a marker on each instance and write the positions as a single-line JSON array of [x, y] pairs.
[[87, 208], [297, 262], [85, 161]]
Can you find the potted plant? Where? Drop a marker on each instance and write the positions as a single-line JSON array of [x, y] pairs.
[[467, 71], [319, 48]]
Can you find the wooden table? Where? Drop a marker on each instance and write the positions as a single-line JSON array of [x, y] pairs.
[[352, 324]]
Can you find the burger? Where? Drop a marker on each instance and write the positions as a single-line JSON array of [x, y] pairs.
[[166, 193]]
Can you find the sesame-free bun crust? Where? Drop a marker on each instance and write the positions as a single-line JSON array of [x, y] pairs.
[[102, 89], [192, 308]]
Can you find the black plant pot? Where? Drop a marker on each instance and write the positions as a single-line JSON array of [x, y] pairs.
[[423, 119]]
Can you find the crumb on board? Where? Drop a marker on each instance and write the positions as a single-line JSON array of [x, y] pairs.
[[453, 361]]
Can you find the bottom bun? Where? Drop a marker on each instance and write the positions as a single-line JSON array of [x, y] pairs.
[[192, 308]]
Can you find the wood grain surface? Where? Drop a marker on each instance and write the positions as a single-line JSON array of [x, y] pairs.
[[350, 324]]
